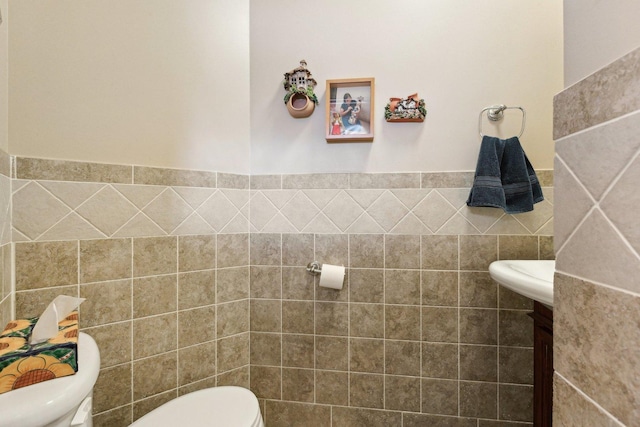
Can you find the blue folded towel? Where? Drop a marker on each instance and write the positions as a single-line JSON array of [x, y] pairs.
[[504, 177]]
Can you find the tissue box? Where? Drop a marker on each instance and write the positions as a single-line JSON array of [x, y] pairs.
[[22, 364]]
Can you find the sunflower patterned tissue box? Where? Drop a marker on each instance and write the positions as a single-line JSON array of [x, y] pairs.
[[24, 363]]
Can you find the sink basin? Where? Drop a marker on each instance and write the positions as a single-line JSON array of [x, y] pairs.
[[533, 279]]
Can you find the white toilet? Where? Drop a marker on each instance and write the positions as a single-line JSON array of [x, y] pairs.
[[224, 406], [62, 402]]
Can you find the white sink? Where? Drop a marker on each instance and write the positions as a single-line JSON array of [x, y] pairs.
[[533, 279]]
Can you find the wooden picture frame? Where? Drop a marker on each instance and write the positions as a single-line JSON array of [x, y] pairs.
[[349, 110]]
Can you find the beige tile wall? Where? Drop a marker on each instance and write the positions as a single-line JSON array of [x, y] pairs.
[[6, 287], [420, 332], [597, 293]]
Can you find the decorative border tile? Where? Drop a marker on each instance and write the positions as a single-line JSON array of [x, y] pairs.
[[64, 170], [608, 93]]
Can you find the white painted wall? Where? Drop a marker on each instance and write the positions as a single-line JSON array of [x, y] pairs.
[[149, 82], [459, 55], [4, 77], [596, 33]]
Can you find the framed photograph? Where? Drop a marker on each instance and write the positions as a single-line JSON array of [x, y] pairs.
[[349, 110]]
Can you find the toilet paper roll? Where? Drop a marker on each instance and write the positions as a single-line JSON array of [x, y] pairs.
[[332, 276]]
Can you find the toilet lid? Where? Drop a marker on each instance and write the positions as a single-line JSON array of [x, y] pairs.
[[212, 407]]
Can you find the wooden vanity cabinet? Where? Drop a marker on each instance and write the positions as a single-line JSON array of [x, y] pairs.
[[542, 364]]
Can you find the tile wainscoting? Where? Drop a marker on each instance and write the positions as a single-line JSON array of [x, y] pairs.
[[420, 332]]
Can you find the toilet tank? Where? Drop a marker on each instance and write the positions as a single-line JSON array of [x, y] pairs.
[[55, 403]]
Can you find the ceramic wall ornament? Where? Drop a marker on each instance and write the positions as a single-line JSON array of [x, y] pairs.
[[409, 109], [299, 84]]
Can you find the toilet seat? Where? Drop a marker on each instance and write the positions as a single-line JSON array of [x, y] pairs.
[[212, 407]]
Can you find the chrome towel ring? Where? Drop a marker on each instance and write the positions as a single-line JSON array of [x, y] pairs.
[[495, 113]]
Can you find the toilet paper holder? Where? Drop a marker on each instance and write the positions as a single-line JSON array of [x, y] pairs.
[[314, 268]]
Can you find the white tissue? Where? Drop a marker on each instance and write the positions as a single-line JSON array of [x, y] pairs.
[[47, 325], [332, 276]]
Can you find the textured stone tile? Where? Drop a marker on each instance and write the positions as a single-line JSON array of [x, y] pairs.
[[297, 283], [144, 406], [402, 358], [154, 375], [297, 317], [266, 382], [266, 281], [515, 365], [332, 387], [439, 288], [440, 324], [285, 414], [518, 247], [298, 384], [233, 352], [232, 284], [297, 249], [595, 330], [154, 295], [620, 201], [440, 360], [173, 177], [384, 180], [40, 265], [516, 328], [316, 181], [119, 417], [190, 326], [478, 326], [154, 335], [105, 259], [479, 363], [233, 250], [196, 363], [232, 180], [366, 285], [366, 320], [232, 318], [440, 252], [196, 253], [266, 315], [477, 289], [266, 249], [266, 349], [447, 179], [112, 351], [402, 287], [196, 288], [610, 92], [477, 252], [298, 351], [572, 408], [572, 205], [106, 302], [113, 388], [265, 182], [366, 390], [419, 420], [478, 399], [516, 402], [402, 251], [366, 355], [33, 303], [440, 397], [402, 393], [597, 170], [332, 318], [332, 353], [155, 255], [65, 170], [366, 250], [238, 377], [402, 322]]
